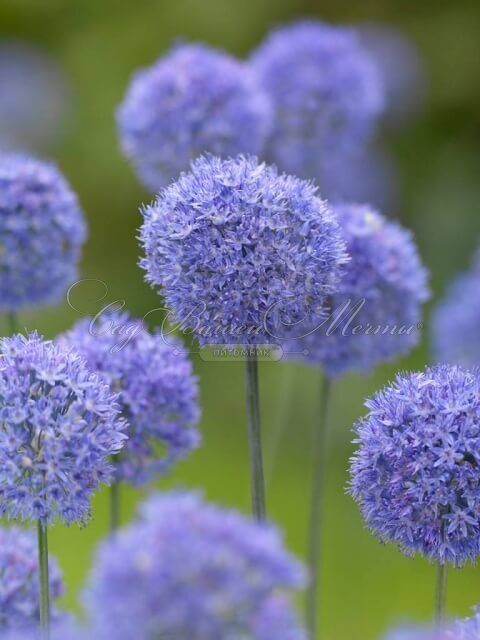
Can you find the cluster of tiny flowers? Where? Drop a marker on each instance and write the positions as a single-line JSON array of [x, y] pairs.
[[192, 101], [59, 424], [278, 620], [42, 229], [240, 251], [187, 570], [466, 629], [325, 90], [19, 582], [456, 321], [158, 394], [415, 474], [376, 311]]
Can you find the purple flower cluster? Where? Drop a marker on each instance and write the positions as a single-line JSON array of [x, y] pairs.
[[240, 251], [415, 474], [380, 294], [187, 570], [65, 630], [325, 90], [58, 425], [158, 393], [465, 629], [42, 229], [456, 319], [277, 619], [193, 100], [19, 586]]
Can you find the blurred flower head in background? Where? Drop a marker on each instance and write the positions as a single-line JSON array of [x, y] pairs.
[[241, 251], [59, 423], [277, 619], [158, 393], [463, 629], [34, 98], [188, 569], [415, 473], [19, 580], [325, 89], [381, 291], [193, 100], [42, 230]]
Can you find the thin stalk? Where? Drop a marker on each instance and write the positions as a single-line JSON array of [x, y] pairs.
[[255, 438], [44, 580], [440, 592], [316, 508], [114, 506], [280, 422], [12, 322]]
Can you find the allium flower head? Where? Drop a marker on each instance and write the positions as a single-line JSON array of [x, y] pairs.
[[375, 313], [58, 425], [42, 229], [65, 630], [194, 100], [278, 620], [187, 570], [241, 251], [19, 582], [158, 393], [456, 321], [464, 629], [415, 474], [325, 90]]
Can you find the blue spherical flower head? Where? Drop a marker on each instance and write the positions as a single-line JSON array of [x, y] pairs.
[[325, 89], [59, 424], [463, 629], [241, 251], [456, 320], [376, 312], [188, 570], [42, 229], [158, 393], [194, 100], [19, 580], [415, 473], [278, 619]]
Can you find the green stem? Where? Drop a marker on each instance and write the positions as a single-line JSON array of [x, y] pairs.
[[440, 592], [316, 508], [114, 506], [44, 580], [12, 322], [281, 419], [255, 438]]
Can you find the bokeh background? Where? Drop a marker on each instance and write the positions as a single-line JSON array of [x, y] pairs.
[[98, 43]]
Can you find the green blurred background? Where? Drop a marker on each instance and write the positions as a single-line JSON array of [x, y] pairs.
[[367, 586]]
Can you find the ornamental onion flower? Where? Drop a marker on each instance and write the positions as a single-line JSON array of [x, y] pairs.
[[456, 320], [463, 629], [375, 314], [42, 229], [187, 570], [415, 474], [59, 424], [158, 393], [19, 583], [277, 619], [240, 251], [191, 101], [325, 90]]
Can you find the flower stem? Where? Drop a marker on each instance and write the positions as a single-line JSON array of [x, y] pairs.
[[440, 592], [255, 438], [12, 322], [44, 580], [316, 508], [114, 506]]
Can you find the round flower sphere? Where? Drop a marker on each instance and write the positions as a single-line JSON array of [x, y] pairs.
[[278, 619], [187, 570], [194, 100], [464, 629], [240, 251], [325, 90], [158, 393], [415, 474], [456, 320], [375, 314], [19, 579], [42, 229], [59, 423]]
